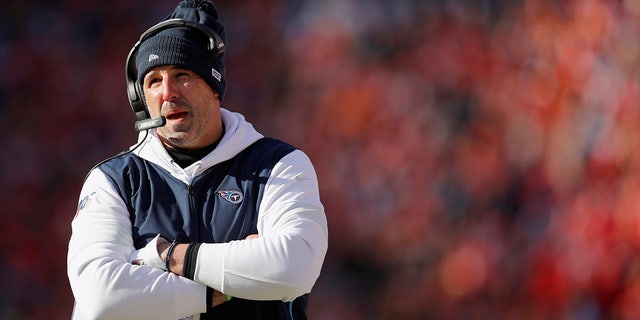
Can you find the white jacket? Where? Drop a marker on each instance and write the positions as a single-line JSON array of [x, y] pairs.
[[282, 264]]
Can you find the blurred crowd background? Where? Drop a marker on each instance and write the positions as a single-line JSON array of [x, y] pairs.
[[477, 159]]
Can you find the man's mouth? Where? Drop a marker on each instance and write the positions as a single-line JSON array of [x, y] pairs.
[[176, 115]]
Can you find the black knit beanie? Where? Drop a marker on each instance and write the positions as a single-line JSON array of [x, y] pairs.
[[185, 47]]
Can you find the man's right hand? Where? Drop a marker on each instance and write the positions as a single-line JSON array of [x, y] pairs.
[[218, 298]]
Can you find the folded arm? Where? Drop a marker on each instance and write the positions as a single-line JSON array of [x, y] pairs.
[[284, 261], [105, 283]]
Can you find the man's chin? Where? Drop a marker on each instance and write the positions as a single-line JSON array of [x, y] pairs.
[[178, 140]]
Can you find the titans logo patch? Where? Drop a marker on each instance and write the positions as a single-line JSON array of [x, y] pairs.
[[86, 201], [234, 197]]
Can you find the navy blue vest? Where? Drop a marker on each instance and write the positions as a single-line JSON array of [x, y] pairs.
[[220, 205]]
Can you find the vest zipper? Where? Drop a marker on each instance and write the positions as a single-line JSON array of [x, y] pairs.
[[195, 218], [195, 215]]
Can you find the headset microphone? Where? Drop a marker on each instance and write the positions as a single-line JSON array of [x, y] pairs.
[[150, 123]]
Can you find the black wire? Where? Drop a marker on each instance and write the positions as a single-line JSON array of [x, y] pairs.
[[117, 155]]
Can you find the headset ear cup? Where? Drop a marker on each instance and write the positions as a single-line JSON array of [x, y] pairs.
[[142, 102], [134, 91]]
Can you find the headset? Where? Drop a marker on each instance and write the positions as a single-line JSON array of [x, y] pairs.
[[135, 93]]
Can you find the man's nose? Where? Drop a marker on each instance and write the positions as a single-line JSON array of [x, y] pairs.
[[170, 90]]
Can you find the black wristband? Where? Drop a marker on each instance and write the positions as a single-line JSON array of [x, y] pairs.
[[190, 259], [167, 259]]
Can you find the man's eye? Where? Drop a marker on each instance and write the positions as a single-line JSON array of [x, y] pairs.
[[153, 81], [183, 75]]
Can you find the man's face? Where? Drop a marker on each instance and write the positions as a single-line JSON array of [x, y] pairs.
[[191, 107]]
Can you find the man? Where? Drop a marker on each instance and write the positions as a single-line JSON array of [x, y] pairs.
[[204, 218]]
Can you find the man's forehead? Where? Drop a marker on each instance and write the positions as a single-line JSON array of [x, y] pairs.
[[167, 68]]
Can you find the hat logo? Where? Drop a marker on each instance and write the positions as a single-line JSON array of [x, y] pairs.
[[216, 74], [153, 57]]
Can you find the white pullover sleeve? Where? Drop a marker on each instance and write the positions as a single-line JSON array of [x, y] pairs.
[[104, 282], [285, 261]]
